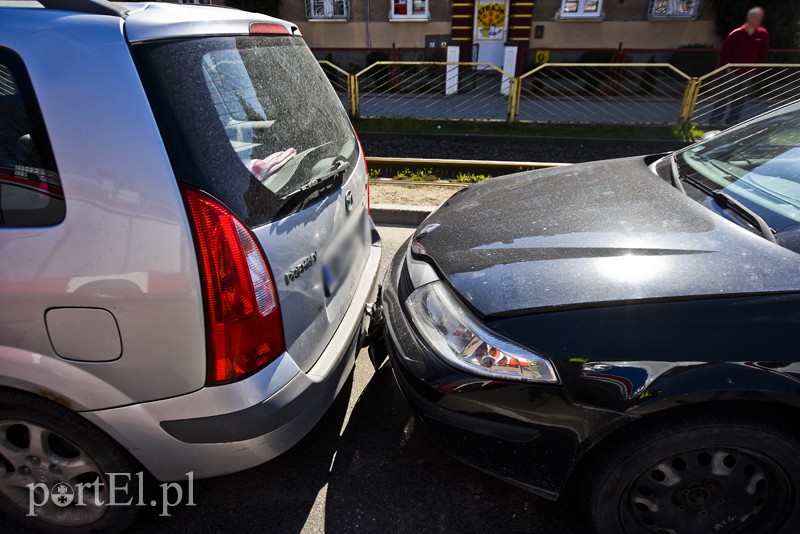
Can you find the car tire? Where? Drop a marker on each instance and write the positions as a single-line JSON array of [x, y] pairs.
[[718, 469], [44, 442]]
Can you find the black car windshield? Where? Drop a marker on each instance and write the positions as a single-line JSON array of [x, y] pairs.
[[250, 119], [757, 163]]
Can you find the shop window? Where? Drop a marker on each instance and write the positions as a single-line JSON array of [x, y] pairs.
[[675, 9], [409, 9], [327, 9], [581, 9]]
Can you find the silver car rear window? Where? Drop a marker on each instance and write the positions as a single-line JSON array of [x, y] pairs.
[[250, 119]]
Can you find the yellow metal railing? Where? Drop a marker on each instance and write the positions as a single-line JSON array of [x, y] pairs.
[[608, 93], [433, 90], [340, 79], [601, 93], [742, 90]]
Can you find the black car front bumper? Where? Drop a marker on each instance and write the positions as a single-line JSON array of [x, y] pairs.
[[528, 434]]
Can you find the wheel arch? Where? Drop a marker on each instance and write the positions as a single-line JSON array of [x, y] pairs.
[[33, 391], [60, 381], [771, 408]]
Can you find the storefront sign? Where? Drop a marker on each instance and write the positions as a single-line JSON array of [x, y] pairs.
[[491, 20]]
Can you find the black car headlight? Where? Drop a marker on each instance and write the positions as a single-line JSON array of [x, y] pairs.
[[456, 335]]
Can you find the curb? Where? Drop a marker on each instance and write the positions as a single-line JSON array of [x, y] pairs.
[[648, 144], [399, 214], [440, 183]]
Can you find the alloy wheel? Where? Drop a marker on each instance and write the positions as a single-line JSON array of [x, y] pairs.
[[32, 456]]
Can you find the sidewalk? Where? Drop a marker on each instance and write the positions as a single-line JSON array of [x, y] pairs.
[[406, 204]]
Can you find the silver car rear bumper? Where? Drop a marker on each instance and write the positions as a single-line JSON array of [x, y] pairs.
[[224, 429]]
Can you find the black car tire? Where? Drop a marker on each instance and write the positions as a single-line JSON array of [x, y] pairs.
[[719, 469], [65, 432]]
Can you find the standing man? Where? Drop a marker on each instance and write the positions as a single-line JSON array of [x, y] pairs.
[[746, 44]]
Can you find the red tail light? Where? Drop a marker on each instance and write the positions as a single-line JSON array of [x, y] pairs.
[[243, 319]]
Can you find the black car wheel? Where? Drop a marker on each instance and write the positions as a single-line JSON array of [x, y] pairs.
[[719, 471], [43, 444]]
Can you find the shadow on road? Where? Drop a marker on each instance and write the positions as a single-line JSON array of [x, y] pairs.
[[380, 475], [388, 477]]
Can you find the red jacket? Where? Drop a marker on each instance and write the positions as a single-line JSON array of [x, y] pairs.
[[741, 47]]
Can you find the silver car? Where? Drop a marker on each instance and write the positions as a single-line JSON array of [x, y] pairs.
[[186, 252]]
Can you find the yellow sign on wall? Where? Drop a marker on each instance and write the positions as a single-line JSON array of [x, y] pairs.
[[491, 20], [542, 56]]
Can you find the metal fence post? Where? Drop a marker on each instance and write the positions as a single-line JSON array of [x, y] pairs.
[[689, 101], [512, 90], [352, 94], [514, 99]]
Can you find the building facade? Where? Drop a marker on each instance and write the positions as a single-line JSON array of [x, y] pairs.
[[635, 23], [369, 23], [491, 24]]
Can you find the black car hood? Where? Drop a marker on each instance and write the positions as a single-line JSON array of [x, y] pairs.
[[594, 233]]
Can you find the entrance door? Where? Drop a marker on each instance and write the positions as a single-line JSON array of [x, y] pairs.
[[491, 29]]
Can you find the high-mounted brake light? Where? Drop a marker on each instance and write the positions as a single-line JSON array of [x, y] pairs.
[[266, 28], [243, 318]]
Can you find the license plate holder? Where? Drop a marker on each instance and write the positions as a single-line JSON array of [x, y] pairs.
[[338, 263]]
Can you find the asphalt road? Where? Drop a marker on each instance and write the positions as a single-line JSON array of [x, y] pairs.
[[366, 468]]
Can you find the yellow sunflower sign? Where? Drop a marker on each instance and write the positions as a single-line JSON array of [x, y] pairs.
[[491, 20]]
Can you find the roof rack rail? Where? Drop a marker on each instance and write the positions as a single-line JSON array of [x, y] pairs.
[[93, 7]]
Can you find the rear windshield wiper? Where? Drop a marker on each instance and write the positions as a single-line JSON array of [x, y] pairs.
[[727, 202], [337, 173]]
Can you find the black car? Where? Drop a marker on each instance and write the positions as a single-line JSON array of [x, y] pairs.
[[626, 329]]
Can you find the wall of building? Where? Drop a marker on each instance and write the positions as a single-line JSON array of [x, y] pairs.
[[620, 10], [625, 21], [405, 34], [383, 33], [632, 34]]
